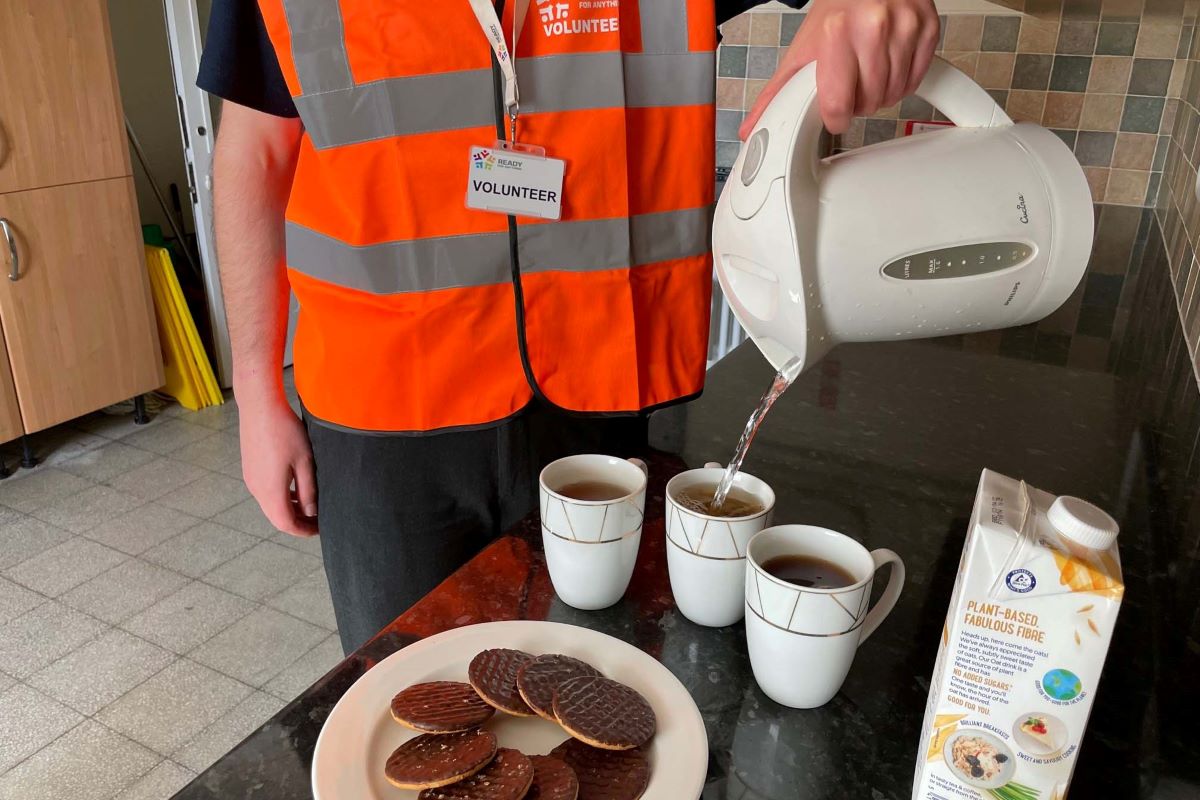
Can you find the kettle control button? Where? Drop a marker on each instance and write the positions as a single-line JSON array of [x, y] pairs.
[[756, 151]]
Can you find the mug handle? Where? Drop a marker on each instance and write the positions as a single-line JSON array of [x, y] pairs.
[[890, 595], [714, 465], [637, 462]]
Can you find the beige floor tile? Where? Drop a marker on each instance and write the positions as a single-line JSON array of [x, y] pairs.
[[158, 477], [247, 517], [137, 531], [160, 783], [259, 646], [169, 709], [29, 491], [101, 464], [124, 590], [218, 418], [227, 732], [88, 508], [208, 496], [304, 544], [307, 599], [189, 617], [43, 635], [15, 600], [101, 671], [198, 550], [264, 570], [90, 762], [168, 436], [31, 721], [64, 566], [307, 670], [22, 538], [215, 452]]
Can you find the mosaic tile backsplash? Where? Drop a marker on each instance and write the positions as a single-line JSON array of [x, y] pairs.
[[1117, 80]]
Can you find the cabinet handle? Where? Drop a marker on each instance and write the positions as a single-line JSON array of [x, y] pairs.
[[14, 263]]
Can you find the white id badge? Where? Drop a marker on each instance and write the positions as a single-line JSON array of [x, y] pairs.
[[515, 179]]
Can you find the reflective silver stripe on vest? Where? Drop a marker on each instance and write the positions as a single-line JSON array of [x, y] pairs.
[[318, 45], [465, 99], [423, 265], [664, 26]]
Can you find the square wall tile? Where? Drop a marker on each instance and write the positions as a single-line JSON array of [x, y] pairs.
[[963, 32], [1024, 106], [1110, 74], [765, 28], [727, 153], [1158, 38], [1081, 9], [1097, 178], [1142, 114], [1150, 76], [729, 92], [788, 26], [762, 62], [995, 70], [731, 61], [1031, 71], [915, 108], [1123, 10], [1070, 73], [1102, 112], [754, 88], [736, 30], [1094, 148], [1000, 33], [1037, 35], [879, 130], [1068, 136], [1077, 37], [1063, 110], [1134, 151], [728, 122], [1116, 39]]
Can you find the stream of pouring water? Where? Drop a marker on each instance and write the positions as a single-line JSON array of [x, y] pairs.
[[783, 379]]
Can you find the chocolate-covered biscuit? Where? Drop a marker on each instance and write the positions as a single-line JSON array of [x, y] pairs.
[[440, 707], [605, 774], [508, 777], [431, 760], [604, 713], [553, 779], [493, 674], [539, 680]]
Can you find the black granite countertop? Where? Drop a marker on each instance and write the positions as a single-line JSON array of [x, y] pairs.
[[883, 442]]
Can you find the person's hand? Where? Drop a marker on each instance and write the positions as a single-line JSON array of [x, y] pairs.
[[870, 54], [277, 465]]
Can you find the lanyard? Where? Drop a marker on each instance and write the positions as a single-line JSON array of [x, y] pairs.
[[506, 56]]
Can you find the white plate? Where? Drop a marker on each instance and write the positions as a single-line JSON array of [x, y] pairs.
[[1035, 747], [360, 733], [1002, 777]]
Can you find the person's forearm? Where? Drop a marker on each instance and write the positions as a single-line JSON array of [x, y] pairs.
[[253, 169]]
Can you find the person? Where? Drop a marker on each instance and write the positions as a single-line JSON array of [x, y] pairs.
[[444, 352]]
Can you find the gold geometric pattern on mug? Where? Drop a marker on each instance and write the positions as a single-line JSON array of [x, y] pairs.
[[775, 607], [564, 508], [622, 537], [804, 633], [680, 520]]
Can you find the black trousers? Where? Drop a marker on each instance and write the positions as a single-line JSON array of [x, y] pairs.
[[398, 514]]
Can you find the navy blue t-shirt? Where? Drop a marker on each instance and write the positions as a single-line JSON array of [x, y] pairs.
[[239, 63]]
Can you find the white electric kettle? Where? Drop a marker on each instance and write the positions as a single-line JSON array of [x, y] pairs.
[[981, 226]]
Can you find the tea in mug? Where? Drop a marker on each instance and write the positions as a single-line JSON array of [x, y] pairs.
[[808, 571], [738, 503], [589, 491]]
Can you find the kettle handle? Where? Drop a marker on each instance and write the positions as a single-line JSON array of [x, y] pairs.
[[945, 87]]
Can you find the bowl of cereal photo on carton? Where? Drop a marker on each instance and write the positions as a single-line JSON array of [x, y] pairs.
[[980, 760]]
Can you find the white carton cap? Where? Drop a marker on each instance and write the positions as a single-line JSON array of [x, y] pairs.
[[1082, 522]]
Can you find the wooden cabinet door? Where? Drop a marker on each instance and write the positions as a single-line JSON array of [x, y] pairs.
[[10, 414], [60, 108], [79, 321]]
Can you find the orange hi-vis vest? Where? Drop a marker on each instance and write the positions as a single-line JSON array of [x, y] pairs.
[[419, 314]]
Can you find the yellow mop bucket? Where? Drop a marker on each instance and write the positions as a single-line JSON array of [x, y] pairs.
[[190, 378]]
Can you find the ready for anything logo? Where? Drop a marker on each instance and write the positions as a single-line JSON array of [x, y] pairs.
[[484, 159], [557, 19]]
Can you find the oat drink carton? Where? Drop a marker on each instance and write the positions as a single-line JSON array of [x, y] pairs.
[[1038, 591]]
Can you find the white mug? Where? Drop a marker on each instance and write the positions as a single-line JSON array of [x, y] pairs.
[[802, 640], [591, 545], [706, 555]]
